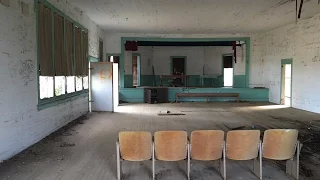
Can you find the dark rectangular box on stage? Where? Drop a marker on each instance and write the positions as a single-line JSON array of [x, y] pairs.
[[155, 95]]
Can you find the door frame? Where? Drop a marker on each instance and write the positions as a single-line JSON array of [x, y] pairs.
[[171, 63], [138, 66], [222, 67], [113, 54], [284, 62]]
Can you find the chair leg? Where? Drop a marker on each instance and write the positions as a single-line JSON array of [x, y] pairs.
[[188, 161], [292, 165], [257, 163], [222, 167], [153, 163], [119, 170]]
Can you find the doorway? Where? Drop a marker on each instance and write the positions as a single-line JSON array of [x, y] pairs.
[[115, 59], [136, 69], [178, 67], [286, 82], [227, 70]]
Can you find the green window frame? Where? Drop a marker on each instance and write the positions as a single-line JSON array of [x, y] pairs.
[[56, 100]]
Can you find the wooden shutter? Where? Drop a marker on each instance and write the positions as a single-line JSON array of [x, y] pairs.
[[45, 41], [78, 51], [85, 61], [69, 49], [60, 64]]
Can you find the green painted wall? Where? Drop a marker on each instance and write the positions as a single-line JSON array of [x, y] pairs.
[[146, 80], [132, 95], [194, 81], [128, 81], [239, 81], [93, 59], [124, 39], [246, 94]]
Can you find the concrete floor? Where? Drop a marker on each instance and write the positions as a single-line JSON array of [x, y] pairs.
[[85, 149]]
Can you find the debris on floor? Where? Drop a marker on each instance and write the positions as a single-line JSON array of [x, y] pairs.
[[239, 128], [65, 144], [169, 113]]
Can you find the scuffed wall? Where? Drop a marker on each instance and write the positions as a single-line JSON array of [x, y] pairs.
[[300, 42], [213, 60], [21, 124], [113, 45], [194, 59], [200, 60], [146, 55]]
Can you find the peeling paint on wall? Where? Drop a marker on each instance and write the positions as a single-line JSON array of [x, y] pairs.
[[300, 42], [21, 124]]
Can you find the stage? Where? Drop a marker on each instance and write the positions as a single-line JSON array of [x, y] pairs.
[[136, 95]]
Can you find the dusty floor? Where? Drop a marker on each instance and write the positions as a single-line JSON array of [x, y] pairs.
[[85, 149]]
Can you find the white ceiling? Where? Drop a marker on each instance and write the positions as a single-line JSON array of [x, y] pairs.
[[193, 16]]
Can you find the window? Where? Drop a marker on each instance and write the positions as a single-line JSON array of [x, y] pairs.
[[86, 82], [79, 83], [62, 54], [60, 85], [70, 84]]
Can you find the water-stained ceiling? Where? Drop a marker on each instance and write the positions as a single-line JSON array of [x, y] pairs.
[[194, 16]]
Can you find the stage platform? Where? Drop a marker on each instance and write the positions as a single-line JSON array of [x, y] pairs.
[[136, 95]]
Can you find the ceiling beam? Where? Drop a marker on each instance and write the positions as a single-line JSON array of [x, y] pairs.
[[300, 9]]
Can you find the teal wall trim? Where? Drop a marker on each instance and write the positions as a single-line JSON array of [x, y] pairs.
[[147, 80], [124, 39], [128, 80], [93, 59], [246, 94], [112, 54], [194, 81], [62, 99], [133, 95], [239, 81]]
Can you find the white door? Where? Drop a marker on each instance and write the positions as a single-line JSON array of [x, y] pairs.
[[115, 85], [101, 86]]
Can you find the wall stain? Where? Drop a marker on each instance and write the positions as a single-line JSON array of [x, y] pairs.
[[26, 71], [316, 58], [6, 54], [23, 70]]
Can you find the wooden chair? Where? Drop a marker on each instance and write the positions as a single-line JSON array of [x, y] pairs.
[[245, 145], [170, 146], [283, 144], [133, 146], [208, 145]]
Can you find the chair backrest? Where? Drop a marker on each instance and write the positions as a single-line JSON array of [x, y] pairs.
[[135, 145], [279, 144], [170, 145], [242, 144], [207, 145]]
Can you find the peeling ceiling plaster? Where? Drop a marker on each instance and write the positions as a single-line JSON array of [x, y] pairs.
[[193, 16]]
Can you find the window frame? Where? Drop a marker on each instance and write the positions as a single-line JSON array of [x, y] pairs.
[[56, 100]]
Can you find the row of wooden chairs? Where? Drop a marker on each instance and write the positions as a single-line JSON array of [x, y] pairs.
[[210, 145]]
